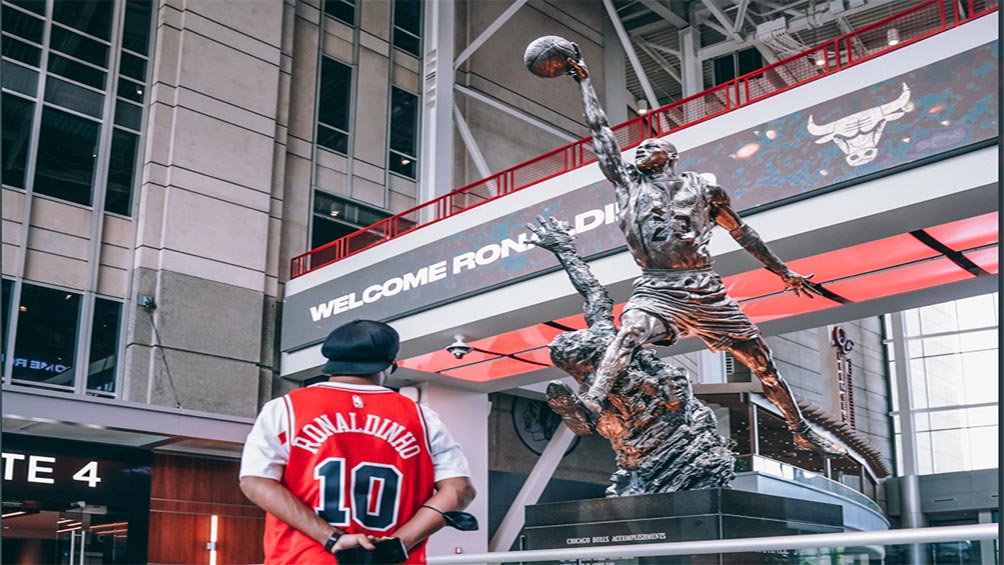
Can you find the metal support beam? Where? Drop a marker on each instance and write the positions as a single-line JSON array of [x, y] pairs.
[[730, 32], [436, 177], [513, 111], [472, 145], [542, 471], [653, 100], [794, 25], [661, 48], [488, 32], [648, 49], [665, 13], [740, 16]]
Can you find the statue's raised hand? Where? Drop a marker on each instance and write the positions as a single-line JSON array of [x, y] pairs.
[[552, 234], [800, 285], [577, 65]]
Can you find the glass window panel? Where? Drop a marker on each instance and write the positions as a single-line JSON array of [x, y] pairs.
[[6, 289], [918, 383], [943, 388], [21, 51], [984, 416], [104, 345], [725, 68], [408, 16], [37, 6], [45, 346], [67, 150], [93, 17], [911, 322], [982, 377], [18, 78], [948, 419], [984, 446], [402, 164], [121, 172], [76, 71], [136, 33], [976, 341], [74, 97], [749, 61], [78, 46], [925, 466], [938, 318], [950, 451], [977, 312], [914, 348], [403, 121], [333, 140], [16, 126], [130, 90], [333, 106], [942, 345], [328, 229], [133, 66], [921, 422], [23, 25], [344, 10], [128, 115], [408, 43]]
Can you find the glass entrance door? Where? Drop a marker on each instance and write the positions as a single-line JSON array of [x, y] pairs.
[[75, 534]]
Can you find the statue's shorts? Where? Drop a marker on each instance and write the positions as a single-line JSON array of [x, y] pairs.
[[692, 302]]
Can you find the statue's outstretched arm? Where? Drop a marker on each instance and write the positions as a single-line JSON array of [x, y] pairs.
[[749, 239], [608, 152], [557, 238]]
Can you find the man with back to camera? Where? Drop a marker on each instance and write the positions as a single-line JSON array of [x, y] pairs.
[[667, 219], [341, 463]]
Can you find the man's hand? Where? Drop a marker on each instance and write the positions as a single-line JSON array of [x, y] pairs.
[[354, 540], [577, 66], [799, 284], [552, 234]]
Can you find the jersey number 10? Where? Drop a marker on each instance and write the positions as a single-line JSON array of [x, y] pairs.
[[374, 489]]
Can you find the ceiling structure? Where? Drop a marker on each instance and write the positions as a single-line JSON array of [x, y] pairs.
[[727, 26]]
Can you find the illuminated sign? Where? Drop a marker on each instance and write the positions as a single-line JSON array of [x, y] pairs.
[[42, 470]]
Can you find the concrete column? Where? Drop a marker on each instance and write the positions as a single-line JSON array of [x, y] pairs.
[[909, 487], [436, 177], [988, 548], [465, 413], [614, 75], [690, 64]]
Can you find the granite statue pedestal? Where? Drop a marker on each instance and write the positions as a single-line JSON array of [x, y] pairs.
[[709, 514]]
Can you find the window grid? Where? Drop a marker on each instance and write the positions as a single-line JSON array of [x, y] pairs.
[[334, 103], [35, 81], [342, 10], [953, 374], [407, 34], [402, 158]]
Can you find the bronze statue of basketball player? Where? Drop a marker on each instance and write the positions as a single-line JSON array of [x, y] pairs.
[[667, 219]]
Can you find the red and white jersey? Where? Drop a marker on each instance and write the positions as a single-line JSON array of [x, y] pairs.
[[365, 458]]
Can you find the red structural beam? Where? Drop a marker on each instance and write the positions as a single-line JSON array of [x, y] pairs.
[[912, 25]]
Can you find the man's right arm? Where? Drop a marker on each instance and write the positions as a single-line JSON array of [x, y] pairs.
[[608, 153], [451, 494]]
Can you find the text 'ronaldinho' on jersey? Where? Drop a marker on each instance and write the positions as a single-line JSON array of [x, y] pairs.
[[313, 435]]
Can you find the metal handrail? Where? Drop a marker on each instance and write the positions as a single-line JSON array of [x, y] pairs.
[[835, 55], [976, 532]]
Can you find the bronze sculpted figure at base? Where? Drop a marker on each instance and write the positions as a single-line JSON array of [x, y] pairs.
[[664, 438], [667, 218]]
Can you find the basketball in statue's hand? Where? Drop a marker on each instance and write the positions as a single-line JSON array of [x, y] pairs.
[[547, 57]]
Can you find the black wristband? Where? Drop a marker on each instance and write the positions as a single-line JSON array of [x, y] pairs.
[[332, 540]]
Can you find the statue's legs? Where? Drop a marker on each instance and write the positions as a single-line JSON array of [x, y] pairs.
[[755, 354], [637, 328]]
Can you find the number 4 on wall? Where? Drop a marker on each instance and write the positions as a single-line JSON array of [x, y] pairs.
[[88, 474]]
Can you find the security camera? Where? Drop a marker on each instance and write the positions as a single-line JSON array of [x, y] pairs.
[[458, 348]]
